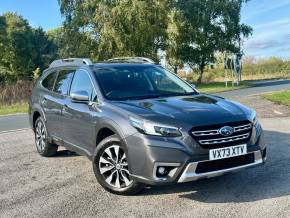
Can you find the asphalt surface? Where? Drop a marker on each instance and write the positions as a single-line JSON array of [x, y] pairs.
[[13, 122], [260, 88], [65, 186]]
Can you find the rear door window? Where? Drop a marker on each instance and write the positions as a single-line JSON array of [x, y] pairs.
[[48, 82], [63, 81]]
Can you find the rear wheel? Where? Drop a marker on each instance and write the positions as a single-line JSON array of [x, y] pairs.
[[111, 168], [44, 148]]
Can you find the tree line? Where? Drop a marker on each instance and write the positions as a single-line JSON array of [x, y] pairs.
[[189, 32]]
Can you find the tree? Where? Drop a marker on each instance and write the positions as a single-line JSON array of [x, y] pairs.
[[45, 49], [206, 27], [121, 28], [173, 45], [17, 53], [23, 49], [70, 43]]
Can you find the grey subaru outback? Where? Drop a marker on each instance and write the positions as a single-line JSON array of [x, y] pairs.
[[140, 124]]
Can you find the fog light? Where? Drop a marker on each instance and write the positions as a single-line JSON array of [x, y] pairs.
[[161, 171], [165, 171]]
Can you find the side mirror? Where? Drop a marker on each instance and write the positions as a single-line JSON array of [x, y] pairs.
[[80, 96]]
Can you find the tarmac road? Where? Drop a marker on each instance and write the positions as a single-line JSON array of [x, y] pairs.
[[14, 122], [64, 186], [260, 88]]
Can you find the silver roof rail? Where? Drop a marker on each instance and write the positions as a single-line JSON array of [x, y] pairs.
[[69, 61], [132, 59]]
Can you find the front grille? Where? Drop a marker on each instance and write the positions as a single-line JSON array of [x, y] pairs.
[[215, 165], [224, 140], [209, 136]]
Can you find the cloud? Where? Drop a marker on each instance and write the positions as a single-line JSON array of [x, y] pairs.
[[275, 24], [261, 43], [287, 49], [254, 44]]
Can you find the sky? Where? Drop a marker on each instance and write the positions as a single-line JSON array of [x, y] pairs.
[[270, 20]]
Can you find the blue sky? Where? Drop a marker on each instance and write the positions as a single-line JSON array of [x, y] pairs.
[[44, 13], [269, 18]]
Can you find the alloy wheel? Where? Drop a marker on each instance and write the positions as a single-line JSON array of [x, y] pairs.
[[40, 136], [113, 166]]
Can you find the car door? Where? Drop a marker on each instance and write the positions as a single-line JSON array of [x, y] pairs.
[[78, 123], [49, 103], [60, 93]]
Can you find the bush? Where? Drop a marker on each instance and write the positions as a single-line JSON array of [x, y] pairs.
[[14, 94]]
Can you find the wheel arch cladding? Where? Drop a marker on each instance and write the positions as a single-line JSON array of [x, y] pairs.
[[103, 133], [36, 114]]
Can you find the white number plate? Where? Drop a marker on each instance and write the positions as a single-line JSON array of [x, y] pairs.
[[233, 151]]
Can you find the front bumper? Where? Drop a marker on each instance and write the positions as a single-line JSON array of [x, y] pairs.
[[190, 174], [147, 153]]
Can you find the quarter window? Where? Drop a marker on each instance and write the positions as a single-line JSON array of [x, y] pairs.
[[63, 81], [48, 82]]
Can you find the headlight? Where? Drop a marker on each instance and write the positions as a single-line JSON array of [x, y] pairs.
[[253, 118], [150, 128]]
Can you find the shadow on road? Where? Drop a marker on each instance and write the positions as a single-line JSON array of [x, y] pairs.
[[65, 153], [264, 182]]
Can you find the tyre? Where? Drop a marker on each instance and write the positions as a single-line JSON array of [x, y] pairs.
[[44, 148], [111, 168]]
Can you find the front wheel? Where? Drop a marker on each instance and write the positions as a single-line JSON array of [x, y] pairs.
[[111, 168]]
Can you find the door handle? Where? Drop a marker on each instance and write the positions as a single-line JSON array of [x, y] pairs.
[[65, 107], [63, 110], [44, 100]]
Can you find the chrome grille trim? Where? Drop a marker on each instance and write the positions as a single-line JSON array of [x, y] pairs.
[[224, 140], [216, 131], [205, 133], [242, 128]]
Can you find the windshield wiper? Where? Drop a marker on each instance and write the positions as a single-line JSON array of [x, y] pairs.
[[144, 97], [179, 94], [154, 96], [136, 97]]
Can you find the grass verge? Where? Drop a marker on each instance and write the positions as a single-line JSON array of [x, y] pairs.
[[282, 97], [220, 87], [13, 109]]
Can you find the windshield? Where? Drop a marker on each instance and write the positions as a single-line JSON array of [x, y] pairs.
[[139, 82]]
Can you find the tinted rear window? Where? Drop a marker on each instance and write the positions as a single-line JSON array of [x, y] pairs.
[[63, 81], [48, 82]]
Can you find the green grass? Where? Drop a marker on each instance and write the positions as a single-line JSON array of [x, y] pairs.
[[13, 109], [282, 97], [220, 87]]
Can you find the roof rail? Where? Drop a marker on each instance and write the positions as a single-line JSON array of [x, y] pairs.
[[132, 59], [67, 61]]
